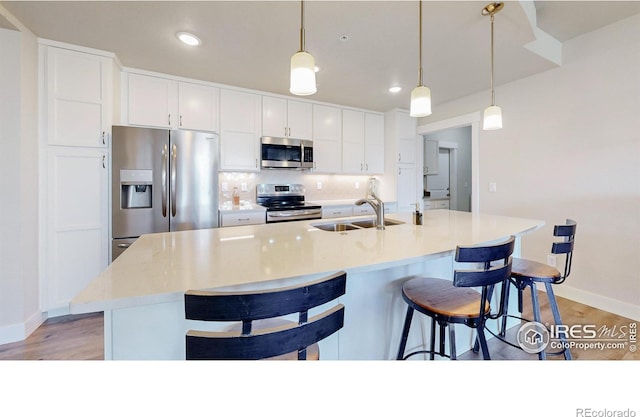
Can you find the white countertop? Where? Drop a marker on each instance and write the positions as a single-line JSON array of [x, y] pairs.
[[335, 203], [244, 206], [160, 267]]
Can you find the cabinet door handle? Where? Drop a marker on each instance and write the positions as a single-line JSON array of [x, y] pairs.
[[169, 119], [104, 161], [399, 171], [285, 131], [361, 167], [256, 162], [366, 167], [103, 140], [180, 120], [399, 157]]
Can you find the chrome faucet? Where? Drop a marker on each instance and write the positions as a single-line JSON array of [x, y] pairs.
[[378, 207]]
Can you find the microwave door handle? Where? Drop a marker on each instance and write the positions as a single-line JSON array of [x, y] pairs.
[[164, 180], [173, 180]]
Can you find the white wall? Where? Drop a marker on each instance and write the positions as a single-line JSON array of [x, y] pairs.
[[19, 286], [570, 147]]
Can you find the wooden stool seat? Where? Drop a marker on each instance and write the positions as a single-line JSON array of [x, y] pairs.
[[525, 268], [441, 298]]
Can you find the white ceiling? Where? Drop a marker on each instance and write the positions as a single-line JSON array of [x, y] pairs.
[[249, 43]]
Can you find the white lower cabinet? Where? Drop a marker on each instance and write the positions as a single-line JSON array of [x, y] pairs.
[[239, 218], [78, 221], [337, 211], [436, 204]]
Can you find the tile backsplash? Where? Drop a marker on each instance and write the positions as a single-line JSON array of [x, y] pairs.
[[318, 186]]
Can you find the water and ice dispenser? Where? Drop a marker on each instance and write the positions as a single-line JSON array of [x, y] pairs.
[[136, 187]]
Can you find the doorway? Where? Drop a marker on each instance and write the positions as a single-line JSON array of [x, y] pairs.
[[469, 164], [452, 177]]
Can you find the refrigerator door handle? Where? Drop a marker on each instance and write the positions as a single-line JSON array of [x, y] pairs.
[[164, 181], [173, 180]]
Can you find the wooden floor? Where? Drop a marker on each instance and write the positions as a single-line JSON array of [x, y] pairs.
[[80, 337]]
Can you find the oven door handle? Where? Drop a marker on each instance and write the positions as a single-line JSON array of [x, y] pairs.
[[294, 213]]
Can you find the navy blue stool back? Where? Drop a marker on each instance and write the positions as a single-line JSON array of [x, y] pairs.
[[249, 306], [449, 302]]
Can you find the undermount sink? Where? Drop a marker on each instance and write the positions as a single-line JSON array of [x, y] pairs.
[[365, 224], [354, 225], [336, 227]]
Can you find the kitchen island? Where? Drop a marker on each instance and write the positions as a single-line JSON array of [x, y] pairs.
[[141, 292]]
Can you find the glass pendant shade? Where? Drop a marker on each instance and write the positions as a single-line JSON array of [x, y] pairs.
[[303, 74], [492, 118], [420, 102]]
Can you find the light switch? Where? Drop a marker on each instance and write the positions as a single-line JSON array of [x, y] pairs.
[[319, 185], [492, 187], [225, 187], [243, 186], [357, 185]]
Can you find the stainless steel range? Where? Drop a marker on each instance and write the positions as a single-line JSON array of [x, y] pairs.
[[285, 203]]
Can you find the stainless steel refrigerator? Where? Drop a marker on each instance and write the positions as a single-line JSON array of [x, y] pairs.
[[162, 181]]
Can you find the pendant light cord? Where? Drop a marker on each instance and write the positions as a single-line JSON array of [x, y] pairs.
[[493, 93], [420, 46], [302, 35]]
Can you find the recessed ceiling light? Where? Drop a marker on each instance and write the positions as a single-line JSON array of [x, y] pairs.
[[344, 38], [188, 38], [395, 89]]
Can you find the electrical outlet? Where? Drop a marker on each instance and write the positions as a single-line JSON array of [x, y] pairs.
[[493, 187], [225, 187], [551, 260], [357, 185], [319, 185], [243, 186]]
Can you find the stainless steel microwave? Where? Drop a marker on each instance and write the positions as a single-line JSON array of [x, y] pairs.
[[286, 153]]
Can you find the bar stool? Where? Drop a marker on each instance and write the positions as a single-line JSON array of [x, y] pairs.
[[525, 273], [448, 303], [263, 333]]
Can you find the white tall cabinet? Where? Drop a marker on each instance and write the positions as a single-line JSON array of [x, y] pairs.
[[76, 104], [401, 146]]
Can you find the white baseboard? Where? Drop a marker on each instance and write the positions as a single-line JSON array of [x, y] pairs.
[[20, 331], [631, 311]]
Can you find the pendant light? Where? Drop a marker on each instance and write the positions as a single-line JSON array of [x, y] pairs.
[[492, 114], [421, 95], [303, 75]]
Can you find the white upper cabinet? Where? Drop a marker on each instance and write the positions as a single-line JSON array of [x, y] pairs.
[[362, 142], [286, 118], [407, 135], [152, 101], [352, 142], [78, 98], [374, 143], [327, 139], [165, 103], [198, 107], [240, 127], [431, 151]]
